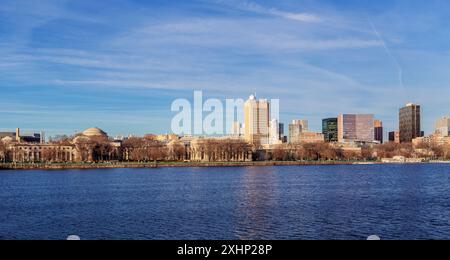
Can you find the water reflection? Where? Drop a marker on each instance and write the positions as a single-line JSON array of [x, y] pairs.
[[257, 203]]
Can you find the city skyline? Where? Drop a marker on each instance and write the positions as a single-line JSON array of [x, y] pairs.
[[438, 126], [263, 125], [71, 65]]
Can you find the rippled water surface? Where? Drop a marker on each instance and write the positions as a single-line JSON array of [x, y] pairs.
[[317, 202]]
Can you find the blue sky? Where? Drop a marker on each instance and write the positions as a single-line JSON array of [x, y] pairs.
[[67, 65]]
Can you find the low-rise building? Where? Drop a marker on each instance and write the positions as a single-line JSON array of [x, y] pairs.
[[33, 153], [311, 137], [432, 140]]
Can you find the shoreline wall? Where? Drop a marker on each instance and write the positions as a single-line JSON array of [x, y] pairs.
[[163, 165]]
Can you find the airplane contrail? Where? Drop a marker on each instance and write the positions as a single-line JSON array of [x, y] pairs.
[[388, 51]]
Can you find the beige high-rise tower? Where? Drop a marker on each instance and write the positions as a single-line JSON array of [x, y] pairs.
[[257, 120]]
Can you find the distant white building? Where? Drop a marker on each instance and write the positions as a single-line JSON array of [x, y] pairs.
[[443, 127], [296, 128], [274, 137]]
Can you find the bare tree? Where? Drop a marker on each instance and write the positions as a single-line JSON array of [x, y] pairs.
[[178, 151], [3, 152], [60, 139], [48, 154]]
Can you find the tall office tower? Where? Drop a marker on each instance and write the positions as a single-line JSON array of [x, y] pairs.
[[330, 129], [257, 120], [355, 128], [443, 127], [379, 133], [296, 128], [409, 118]]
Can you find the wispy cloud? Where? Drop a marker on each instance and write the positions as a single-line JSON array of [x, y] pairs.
[[313, 53], [256, 8], [265, 35]]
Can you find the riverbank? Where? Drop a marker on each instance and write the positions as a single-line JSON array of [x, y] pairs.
[[125, 165], [12, 166]]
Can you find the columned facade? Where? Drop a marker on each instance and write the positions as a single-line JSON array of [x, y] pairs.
[[29, 153]]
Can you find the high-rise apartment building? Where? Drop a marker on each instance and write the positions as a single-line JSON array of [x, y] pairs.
[[410, 123], [355, 128], [330, 129], [379, 133], [257, 120], [311, 137]]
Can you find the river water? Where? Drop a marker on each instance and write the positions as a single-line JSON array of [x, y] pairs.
[[307, 202]]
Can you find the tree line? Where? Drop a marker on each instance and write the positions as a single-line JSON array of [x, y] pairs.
[[332, 152], [148, 149]]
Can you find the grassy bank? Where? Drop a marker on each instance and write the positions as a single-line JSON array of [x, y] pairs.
[[62, 166], [135, 165]]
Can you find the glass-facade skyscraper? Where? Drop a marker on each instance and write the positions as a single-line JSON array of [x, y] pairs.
[[330, 129], [356, 128]]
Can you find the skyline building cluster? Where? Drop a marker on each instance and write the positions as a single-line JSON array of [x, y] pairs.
[[259, 127], [345, 128]]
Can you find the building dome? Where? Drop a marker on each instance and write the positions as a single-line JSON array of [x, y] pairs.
[[95, 132]]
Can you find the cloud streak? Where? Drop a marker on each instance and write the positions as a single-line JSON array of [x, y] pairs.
[[388, 52], [299, 17], [322, 56]]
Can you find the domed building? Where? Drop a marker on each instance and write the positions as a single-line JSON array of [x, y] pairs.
[[91, 134], [93, 145], [95, 132]]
